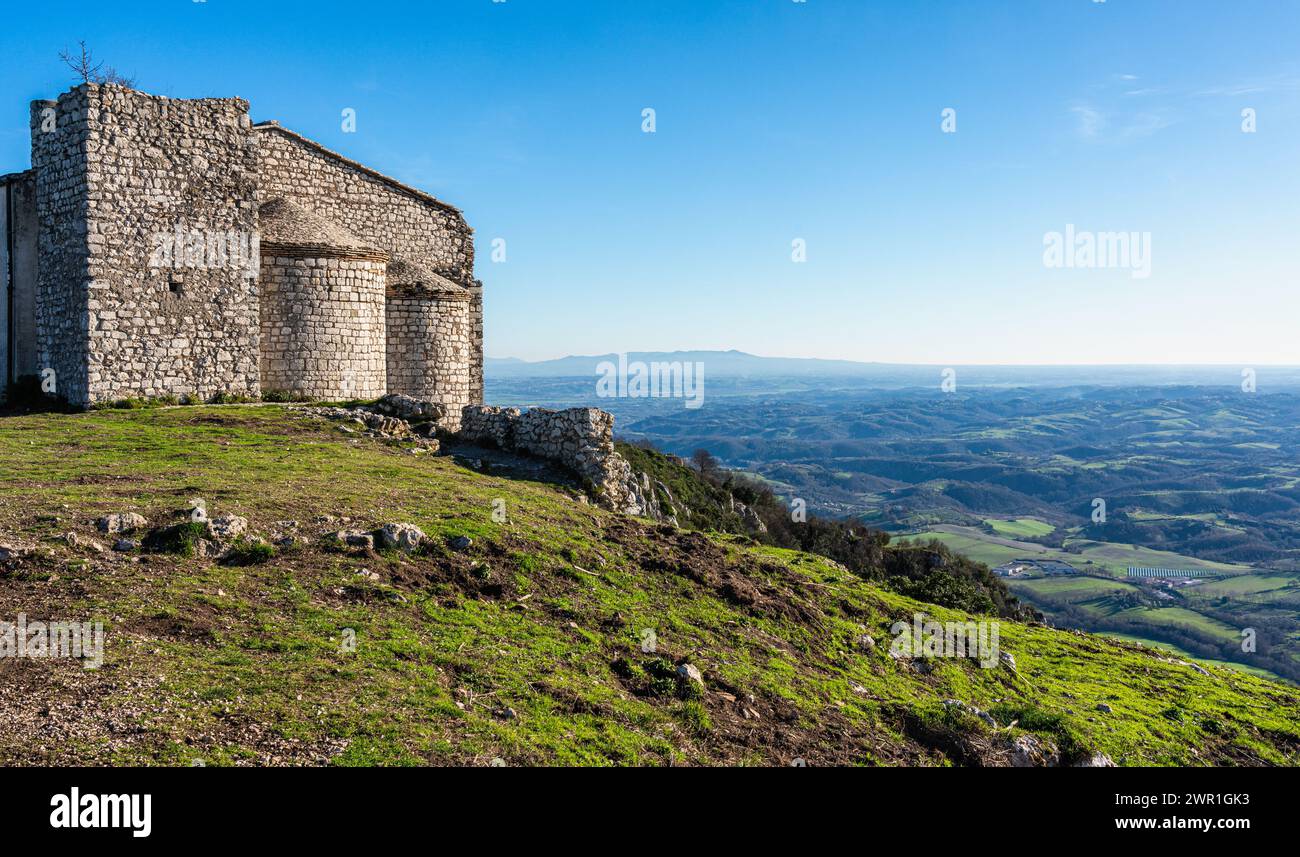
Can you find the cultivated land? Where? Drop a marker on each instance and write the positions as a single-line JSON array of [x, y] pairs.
[[1207, 617], [524, 647], [1192, 477]]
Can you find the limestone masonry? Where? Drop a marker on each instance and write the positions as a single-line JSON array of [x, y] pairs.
[[161, 247]]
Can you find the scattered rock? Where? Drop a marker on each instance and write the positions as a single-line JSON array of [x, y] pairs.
[[507, 713], [122, 522], [1008, 660], [971, 710], [125, 545], [1027, 751], [1096, 760], [354, 538], [12, 552], [690, 672], [1103, 708], [75, 541], [406, 537], [461, 543], [226, 527], [367, 574], [866, 643]]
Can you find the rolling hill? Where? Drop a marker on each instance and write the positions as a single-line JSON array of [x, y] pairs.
[[559, 635]]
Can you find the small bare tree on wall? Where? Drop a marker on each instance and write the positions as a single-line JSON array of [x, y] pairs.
[[82, 62]]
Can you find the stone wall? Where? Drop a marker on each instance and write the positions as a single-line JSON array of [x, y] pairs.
[[142, 203], [429, 350], [139, 198], [581, 439], [323, 327], [18, 254], [382, 212], [476, 342], [61, 134]]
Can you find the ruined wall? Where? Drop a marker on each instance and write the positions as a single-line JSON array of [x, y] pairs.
[[404, 222], [581, 439], [429, 350], [18, 270], [147, 206], [323, 327], [61, 135]]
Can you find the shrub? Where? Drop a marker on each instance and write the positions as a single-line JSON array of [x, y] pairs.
[[245, 552], [180, 539]]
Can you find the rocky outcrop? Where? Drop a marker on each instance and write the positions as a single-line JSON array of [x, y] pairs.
[[581, 439], [412, 410], [405, 537], [393, 416]]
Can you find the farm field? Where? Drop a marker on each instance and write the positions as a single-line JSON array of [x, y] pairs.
[[1182, 617], [1094, 557], [1101, 599], [1020, 528], [1116, 558], [1072, 589], [1245, 586]]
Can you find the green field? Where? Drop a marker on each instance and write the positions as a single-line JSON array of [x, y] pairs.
[[1023, 528], [1095, 557], [1117, 558], [990, 550], [1071, 590], [1248, 585], [1181, 617]]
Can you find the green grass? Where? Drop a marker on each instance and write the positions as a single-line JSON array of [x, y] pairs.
[[1025, 528], [1180, 617], [1247, 585], [527, 647], [1069, 589], [1170, 647]]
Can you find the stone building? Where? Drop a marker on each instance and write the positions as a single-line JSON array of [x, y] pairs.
[[167, 247]]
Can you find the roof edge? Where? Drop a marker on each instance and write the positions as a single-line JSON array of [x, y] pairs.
[[274, 125]]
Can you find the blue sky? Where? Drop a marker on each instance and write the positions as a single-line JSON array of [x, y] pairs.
[[776, 121]]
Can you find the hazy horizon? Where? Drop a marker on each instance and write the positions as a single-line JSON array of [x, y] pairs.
[[602, 354]]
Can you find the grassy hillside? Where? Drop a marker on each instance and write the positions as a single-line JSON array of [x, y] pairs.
[[527, 646]]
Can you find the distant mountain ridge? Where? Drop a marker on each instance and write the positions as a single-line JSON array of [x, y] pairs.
[[718, 363], [739, 364]]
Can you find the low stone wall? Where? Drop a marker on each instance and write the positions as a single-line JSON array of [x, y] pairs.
[[581, 439]]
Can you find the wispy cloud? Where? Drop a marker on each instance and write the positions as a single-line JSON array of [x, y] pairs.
[[1091, 122], [1274, 83], [1116, 108]]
